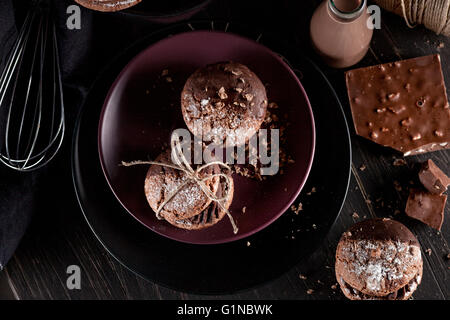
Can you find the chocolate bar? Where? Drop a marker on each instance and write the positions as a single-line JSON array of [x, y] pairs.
[[433, 178], [426, 207], [402, 105]]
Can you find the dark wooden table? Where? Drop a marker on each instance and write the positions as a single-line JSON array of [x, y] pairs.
[[60, 237]]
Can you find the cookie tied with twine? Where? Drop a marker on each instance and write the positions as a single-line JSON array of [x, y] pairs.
[[433, 14], [186, 197]]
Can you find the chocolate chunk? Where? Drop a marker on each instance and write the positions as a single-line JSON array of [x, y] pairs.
[[433, 178], [401, 105], [426, 207]]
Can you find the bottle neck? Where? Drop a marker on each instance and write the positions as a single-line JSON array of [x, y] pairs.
[[346, 10]]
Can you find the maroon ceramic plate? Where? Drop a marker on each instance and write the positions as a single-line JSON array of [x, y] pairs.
[[143, 107]]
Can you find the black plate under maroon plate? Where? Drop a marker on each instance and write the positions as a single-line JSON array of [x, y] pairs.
[[220, 268]]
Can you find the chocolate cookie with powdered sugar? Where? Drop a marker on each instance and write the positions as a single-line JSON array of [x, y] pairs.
[[224, 102], [161, 183], [208, 217], [378, 259]]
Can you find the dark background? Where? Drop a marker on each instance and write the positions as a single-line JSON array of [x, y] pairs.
[[58, 235]]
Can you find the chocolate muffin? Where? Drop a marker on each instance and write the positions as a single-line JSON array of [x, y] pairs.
[[378, 259], [161, 182], [107, 5], [224, 103]]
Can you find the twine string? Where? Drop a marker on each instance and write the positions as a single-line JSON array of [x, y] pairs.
[[181, 163], [410, 25], [434, 14]]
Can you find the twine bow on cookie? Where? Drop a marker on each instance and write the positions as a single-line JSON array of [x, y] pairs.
[[181, 163]]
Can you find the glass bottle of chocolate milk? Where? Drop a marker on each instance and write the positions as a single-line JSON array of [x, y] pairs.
[[339, 31]]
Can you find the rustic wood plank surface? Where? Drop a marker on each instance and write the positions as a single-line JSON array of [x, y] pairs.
[[60, 237]]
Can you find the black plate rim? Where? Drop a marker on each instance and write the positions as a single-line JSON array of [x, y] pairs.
[[349, 171]]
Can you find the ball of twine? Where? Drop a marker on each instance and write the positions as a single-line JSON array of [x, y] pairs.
[[433, 14]]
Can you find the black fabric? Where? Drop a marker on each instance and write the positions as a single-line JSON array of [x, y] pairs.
[[16, 190], [83, 56]]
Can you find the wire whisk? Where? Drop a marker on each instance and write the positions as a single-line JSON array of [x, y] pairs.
[[31, 95]]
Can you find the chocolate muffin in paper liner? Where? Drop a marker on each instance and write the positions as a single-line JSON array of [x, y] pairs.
[[107, 5], [378, 259], [224, 103], [162, 181]]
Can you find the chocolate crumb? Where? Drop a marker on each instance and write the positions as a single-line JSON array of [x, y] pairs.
[[399, 162], [313, 190], [302, 277], [397, 186], [355, 215], [222, 94], [248, 97], [334, 286], [297, 209], [310, 291], [220, 104]]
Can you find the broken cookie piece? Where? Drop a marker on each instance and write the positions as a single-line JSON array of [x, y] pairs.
[[426, 207], [402, 105], [432, 178]]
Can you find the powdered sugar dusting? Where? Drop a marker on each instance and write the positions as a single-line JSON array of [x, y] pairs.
[[189, 200], [380, 262]]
